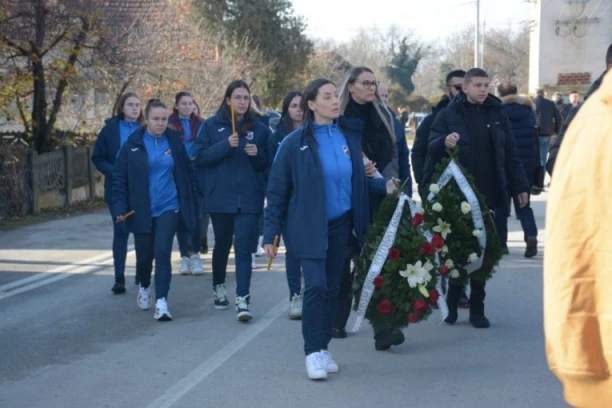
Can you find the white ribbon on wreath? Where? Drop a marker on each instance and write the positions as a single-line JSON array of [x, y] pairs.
[[453, 171]]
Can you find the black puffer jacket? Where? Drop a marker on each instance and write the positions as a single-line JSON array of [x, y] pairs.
[[548, 117], [554, 149], [509, 168], [419, 148]]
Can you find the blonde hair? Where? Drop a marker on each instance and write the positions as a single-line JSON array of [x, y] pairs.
[[380, 107]]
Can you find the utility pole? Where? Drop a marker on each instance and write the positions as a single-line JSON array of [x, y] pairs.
[[477, 39]]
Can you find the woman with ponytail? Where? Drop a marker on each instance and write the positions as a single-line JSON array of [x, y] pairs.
[[185, 121]]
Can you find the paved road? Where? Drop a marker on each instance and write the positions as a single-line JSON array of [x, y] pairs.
[[66, 341]]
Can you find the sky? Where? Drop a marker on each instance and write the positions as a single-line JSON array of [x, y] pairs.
[[429, 19]]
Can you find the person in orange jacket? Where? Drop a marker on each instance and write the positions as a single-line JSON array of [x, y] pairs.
[[577, 280]]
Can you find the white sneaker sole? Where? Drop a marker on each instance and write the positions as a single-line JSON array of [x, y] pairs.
[[198, 273], [295, 316], [244, 316], [221, 307], [184, 273], [332, 370], [317, 376]]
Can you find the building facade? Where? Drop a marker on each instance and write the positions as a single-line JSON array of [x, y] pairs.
[[568, 43]]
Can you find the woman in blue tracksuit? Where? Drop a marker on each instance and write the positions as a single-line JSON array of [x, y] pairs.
[[291, 118], [384, 143], [520, 111], [153, 178], [185, 121], [112, 136], [234, 165], [319, 194]]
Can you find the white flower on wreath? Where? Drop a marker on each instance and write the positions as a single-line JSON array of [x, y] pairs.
[[420, 210], [465, 207], [443, 228], [473, 257], [449, 264], [455, 274], [437, 207], [444, 250], [434, 188], [477, 233], [417, 274]]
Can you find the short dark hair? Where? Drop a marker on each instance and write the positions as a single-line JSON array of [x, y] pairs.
[[458, 73], [506, 88], [573, 92], [609, 56], [475, 73]]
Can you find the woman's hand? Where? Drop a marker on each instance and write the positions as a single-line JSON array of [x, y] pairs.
[[120, 218], [370, 167], [270, 250], [251, 149], [392, 185], [233, 140]]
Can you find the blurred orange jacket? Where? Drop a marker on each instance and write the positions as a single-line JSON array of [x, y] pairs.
[[578, 258]]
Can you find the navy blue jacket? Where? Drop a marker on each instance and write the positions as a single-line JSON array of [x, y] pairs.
[[105, 151], [275, 140], [233, 180], [131, 183], [296, 194], [523, 123], [507, 163]]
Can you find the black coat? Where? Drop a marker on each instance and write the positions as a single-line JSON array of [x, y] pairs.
[[509, 170], [548, 116], [554, 149], [419, 148]]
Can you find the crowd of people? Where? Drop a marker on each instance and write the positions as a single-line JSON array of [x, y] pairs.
[[316, 180]]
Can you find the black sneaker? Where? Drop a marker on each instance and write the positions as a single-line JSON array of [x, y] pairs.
[[220, 293], [532, 248], [338, 333], [242, 308], [118, 288]]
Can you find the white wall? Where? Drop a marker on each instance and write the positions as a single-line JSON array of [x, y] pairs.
[[566, 38]]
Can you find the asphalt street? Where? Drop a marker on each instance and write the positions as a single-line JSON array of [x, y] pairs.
[[66, 341]]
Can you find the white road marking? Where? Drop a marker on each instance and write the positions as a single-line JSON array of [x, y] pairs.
[[44, 278], [176, 392]]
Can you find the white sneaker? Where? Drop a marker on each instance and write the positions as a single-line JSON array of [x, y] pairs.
[[196, 265], [315, 367], [260, 251], [242, 309], [161, 311], [185, 268], [144, 298], [220, 293], [254, 262], [295, 309], [330, 365]]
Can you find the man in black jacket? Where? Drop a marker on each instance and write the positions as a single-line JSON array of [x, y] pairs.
[[476, 123], [549, 122], [554, 149], [454, 81]]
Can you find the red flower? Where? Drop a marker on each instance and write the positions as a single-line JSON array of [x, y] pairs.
[[419, 306], [437, 241], [413, 318], [378, 281], [384, 307], [427, 249], [394, 254], [434, 295], [417, 219], [443, 270]]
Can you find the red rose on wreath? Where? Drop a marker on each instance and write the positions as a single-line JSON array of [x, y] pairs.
[[437, 241], [443, 270], [413, 318], [419, 306], [384, 307], [417, 219], [394, 254], [378, 281], [427, 249], [434, 295]]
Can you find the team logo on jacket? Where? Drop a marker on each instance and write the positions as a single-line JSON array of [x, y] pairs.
[[347, 151], [249, 136], [168, 152]]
